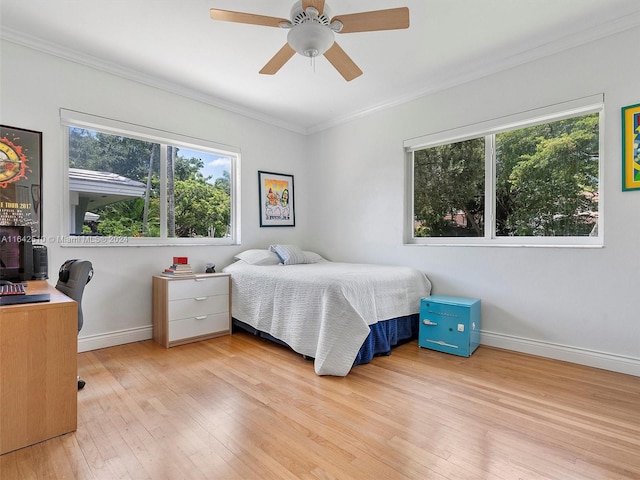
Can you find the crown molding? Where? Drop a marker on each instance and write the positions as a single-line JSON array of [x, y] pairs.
[[468, 73], [483, 68], [65, 53]]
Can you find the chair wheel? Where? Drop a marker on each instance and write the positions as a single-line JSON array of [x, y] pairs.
[[81, 384]]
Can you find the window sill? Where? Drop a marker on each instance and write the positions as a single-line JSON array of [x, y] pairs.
[[98, 242]]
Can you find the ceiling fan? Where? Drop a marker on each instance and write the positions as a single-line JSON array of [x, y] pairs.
[[311, 32]]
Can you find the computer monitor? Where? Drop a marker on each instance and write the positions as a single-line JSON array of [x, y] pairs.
[[16, 253]]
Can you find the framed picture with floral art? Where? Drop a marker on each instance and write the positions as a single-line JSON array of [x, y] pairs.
[[631, 147]]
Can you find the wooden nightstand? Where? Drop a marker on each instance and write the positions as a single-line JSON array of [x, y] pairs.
[[191, 309]]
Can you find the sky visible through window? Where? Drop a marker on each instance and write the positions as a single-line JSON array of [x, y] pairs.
[[214, 165]]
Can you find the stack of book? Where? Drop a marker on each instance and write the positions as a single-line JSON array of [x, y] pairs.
[[179, 268]]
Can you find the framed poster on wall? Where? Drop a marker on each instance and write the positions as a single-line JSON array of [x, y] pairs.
[[21, 178], [631, 147], [276, 200]]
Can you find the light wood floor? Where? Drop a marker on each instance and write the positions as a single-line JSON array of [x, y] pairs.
[[241, 408]]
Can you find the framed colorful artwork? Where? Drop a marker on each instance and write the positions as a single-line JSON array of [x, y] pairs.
[[631, 147], [21, 178], [277, 207]]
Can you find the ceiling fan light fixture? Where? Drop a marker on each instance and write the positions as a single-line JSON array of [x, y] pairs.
[[310, 39], [312, 29]]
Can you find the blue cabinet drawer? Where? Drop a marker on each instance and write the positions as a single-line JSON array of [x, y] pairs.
[[450, 324]]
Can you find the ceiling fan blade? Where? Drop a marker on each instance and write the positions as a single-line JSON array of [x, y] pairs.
[[250, 18], [278, 60], [317, 4], [391, 19], [342, 62]]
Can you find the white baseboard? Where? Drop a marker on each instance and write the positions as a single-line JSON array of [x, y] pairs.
[[111, 339], [591, 358]]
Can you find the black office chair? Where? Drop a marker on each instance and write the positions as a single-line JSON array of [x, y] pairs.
[[72, 278]]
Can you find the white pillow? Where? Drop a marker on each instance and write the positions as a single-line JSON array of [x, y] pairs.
[[289, 254], [313, 257], [258, 257]]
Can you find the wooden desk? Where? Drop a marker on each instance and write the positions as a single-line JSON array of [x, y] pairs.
[[38, 369]]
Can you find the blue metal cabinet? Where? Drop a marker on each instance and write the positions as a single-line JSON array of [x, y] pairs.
[[450, 324]]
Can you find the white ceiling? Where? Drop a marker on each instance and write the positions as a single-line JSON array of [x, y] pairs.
[[173, 44]]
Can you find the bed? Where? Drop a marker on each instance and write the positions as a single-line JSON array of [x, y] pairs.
[[339, 314]]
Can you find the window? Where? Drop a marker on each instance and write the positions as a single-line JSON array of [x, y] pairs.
[[148, 186], [532, 180]]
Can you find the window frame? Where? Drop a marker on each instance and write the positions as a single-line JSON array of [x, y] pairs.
[[489, 129], [70, 118]]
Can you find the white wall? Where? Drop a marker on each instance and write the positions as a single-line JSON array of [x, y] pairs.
[[576, 304], [117, 302]]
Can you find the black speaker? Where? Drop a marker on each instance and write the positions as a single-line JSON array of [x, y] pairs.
[[40, 262]]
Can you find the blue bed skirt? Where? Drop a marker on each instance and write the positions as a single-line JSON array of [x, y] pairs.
[[381, 339], [386, 335]]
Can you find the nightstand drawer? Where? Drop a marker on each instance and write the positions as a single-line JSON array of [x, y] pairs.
[[198, 306], [198, 287], [450, 324], [198, 326]]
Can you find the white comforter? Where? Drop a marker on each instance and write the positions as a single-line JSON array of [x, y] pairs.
[[323, 310]]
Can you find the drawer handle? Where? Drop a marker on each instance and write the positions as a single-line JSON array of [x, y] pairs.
[[442, 343], [201, 317], [427, 322], [199, 299], [200, 279]]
